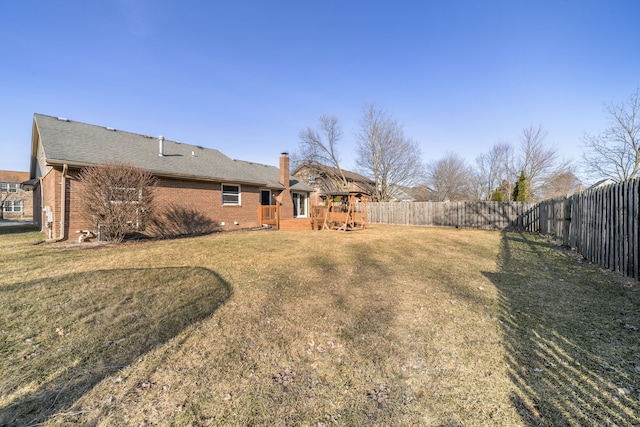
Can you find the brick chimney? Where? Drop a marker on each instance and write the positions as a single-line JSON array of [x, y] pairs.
[[284, 170], [286, 207]]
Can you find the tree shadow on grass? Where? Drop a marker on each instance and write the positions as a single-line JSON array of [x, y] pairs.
[[61, 336], [8, 228], [571, 337]]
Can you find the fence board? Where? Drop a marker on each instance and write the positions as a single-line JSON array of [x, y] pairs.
[[602, 224], [481, 215]]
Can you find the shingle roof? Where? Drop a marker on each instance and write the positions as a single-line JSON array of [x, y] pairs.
[[269, 175], [13, 176], [603, 182], [418, 193], [76, 143]]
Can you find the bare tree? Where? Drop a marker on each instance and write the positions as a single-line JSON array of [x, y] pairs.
[[539, 161], [450, 178], [385, 154], [3, 197], [615, 153], [115, 199], [561, 184], [319, 147], [492, 169]]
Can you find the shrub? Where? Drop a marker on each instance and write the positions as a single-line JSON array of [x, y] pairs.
[[520, 190], [115, 199], [497, 196], [177, 220]]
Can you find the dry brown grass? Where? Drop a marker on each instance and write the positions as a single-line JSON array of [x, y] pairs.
[[387, 326]]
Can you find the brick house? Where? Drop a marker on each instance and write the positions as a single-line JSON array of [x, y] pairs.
[[229, 192], [323, 180], [16, 200]]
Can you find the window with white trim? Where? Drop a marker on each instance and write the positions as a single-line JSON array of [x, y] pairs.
[[12, 206], [9, 187], [124, 195], [230, 195]]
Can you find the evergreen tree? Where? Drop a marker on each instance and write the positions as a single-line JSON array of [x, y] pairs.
[[497, 196], [520, 190]]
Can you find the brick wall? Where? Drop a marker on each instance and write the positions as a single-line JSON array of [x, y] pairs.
[[205, 197], [304, 174], [50, 185]]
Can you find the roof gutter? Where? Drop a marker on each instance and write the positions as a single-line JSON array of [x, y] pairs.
[[64, 163]]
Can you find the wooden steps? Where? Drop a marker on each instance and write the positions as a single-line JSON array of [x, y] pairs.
[[295, 224]]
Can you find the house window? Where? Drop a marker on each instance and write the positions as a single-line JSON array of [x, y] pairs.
[[9, 187], [230, 195], [124, 195], [299, 205], [12, 205]]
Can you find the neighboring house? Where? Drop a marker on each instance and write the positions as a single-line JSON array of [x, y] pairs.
[[16, 201], [322, 179], [603, 183], [229, 192], [418, 193]]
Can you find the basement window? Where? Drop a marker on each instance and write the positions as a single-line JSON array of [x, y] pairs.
[[230, 195]]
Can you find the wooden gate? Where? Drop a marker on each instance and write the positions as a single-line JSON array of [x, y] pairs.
[[269, 215]]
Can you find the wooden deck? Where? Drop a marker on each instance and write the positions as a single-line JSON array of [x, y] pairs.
[[335, 216], [295, 224]]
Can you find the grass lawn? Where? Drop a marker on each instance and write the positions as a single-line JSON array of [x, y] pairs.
[[387, 326]]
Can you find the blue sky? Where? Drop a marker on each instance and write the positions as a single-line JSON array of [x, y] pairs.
[[245, 77]]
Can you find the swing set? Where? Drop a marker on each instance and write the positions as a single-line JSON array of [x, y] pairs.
[[347, 214]]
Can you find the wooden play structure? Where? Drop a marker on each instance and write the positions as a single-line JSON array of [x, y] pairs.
[[349, 213]]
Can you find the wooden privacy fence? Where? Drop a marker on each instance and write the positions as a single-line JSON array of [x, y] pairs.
[[601, 224], [481, 215]]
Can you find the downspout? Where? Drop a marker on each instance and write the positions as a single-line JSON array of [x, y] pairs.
[[43, 223], [63, 202]]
